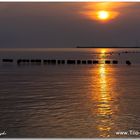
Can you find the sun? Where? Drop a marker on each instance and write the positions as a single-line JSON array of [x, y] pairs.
[[103, 15]]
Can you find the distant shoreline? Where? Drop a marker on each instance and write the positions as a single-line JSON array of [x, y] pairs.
[[108, 47]]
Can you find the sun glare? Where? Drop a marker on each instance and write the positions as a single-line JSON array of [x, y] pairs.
[[103, 51], [103, 12], [103, 15]]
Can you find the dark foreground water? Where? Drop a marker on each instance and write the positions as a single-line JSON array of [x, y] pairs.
[[84, 101]]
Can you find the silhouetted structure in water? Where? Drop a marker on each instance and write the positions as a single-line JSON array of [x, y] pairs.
[[95, 61], [89, 61], [23, 61], [114, 62], [59, 62], [84, 62], [53, 62], [128, 62], [78, 61], [107, 62], [70, 61], [7, 60], [35, 61]]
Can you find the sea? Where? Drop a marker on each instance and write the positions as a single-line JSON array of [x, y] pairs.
[[70, 100]]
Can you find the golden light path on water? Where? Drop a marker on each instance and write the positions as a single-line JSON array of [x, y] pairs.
[[104, 96]]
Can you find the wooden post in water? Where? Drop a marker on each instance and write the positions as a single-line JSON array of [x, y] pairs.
[[53, 62], [45, 61], [78, 61], [114, 62], [107, 61], [23, 61], [18, 61], [84, 62], [71, 62], [60, 61], [7, 60], [128, 62], [95, 62], [35, 61], [89, 61]]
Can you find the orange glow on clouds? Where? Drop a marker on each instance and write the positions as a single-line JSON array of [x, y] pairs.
[[101, 15], [104, 11]]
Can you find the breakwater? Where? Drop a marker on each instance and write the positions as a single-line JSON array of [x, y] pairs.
[[62, 62]]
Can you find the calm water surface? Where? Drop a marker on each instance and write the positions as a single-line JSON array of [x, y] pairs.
[[76, 101]]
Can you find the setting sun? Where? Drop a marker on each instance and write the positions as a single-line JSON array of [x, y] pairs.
[[102, 12], [103, 15]]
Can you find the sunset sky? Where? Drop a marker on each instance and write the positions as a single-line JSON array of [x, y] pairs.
[[69, 24]]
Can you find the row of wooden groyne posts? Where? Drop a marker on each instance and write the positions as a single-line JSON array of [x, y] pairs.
[[53, 61]]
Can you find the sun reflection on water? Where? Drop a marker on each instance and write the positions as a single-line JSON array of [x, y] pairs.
[[104, 97], [103, 108]]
